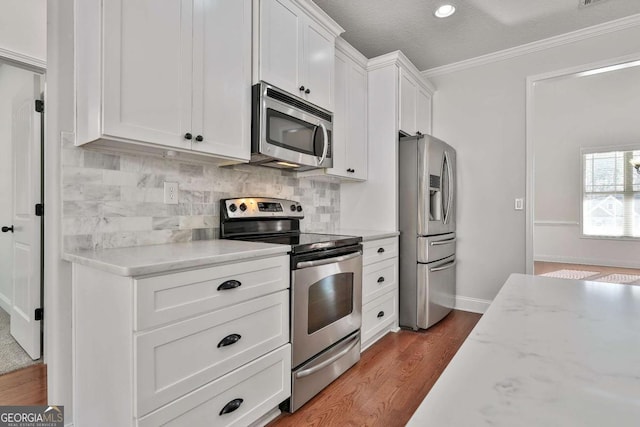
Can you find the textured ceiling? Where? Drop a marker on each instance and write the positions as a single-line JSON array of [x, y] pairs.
[[478, 27]]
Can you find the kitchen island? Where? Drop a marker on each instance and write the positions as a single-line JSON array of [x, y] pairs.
[[548, 352]]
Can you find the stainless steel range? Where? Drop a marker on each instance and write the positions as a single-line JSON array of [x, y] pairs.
[[326, 289]]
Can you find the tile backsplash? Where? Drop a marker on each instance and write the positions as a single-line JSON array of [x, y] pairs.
[[116, 200]]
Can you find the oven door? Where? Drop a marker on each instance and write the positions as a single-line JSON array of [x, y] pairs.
[[326, 303]]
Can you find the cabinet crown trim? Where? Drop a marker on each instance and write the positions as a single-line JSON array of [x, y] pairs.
[[320, 16], [351, 52], [399, 59]]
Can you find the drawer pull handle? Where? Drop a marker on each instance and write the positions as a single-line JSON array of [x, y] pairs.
[[380, 314], [380, 250], [380, 279], [229, 339], [231, 406], [229, 284]]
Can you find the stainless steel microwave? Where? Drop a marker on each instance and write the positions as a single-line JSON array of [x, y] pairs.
[[288, 132]]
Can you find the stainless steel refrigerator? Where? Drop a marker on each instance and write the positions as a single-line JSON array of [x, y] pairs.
[[427, 214]]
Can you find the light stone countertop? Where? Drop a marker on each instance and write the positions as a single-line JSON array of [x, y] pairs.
[[548, 352], [367, 235], [152, 259]]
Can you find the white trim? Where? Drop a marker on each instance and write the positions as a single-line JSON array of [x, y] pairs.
[[603, 262], [351, 52], [398, 58], [473, 305], [551, 42], [266, 418], [5, 304], [320, 16], [24, 61], [552, 223]]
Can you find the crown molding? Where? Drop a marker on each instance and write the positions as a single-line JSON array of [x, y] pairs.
[[551, 42], [320, 16], [23, 60], [351, 52], [399, 59]]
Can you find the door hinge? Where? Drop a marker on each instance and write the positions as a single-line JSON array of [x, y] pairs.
[[39, 209], [38, 314], [39, 106]]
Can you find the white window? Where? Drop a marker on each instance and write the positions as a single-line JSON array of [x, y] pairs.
[[611, 194]]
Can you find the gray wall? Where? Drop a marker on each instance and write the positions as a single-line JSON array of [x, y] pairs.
[[481, 112]]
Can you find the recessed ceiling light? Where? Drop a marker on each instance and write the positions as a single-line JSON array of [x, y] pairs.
[[445, 11]]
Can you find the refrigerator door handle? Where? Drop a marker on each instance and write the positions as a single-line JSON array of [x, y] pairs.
[[450, 195], [443, 267], [442, 242]]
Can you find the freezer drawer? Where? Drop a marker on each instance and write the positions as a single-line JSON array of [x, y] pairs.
[[436, 291], [435, 248]]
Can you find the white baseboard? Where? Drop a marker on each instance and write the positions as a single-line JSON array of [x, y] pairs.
[[587, 261], [5, 304], [266, 418], [474, 305]]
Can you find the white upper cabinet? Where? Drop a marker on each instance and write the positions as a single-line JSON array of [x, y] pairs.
[[296, 49], [147, 70], [222, 77], [350, 118], [165, 74], [415, 102]]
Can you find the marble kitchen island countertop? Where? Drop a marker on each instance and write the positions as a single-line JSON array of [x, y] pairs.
[[152, 259], [367, 235], [548, 352]]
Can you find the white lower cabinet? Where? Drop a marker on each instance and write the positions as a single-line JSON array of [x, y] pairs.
[[379, 289], [201, 347], [252, 390]]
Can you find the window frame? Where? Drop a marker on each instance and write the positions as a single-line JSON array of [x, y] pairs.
[[593, 150]]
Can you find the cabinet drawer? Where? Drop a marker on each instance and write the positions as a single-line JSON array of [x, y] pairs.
[[261, 384], [379, 250], [379, 314], [171, 297], [176, 359], [379, 278]]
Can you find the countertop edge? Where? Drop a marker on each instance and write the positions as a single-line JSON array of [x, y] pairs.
[[166, 266], [368, 235]]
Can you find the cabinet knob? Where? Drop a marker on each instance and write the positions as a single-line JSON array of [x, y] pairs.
[[199, 138], [301, 88], [351, 170], [7, 229], [229, 340], [188, 136], [380, 314], [380, 250], [229, 284], [418, 133], [231, 406], [307, 91], [380, 279]]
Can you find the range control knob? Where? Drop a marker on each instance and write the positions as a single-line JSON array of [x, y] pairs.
[[299, 208], [243, 207], [293, 208], [232, 207]]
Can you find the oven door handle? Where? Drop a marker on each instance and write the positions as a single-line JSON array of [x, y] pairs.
[[329, 361], [306, 264]]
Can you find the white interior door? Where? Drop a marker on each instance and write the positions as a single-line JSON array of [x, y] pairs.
[[26, 140]]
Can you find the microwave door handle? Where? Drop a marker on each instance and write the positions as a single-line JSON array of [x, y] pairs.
[[325, 147]]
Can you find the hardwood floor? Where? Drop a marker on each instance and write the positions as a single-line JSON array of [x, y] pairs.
[[541, 267], [27, 386], [391, 379]]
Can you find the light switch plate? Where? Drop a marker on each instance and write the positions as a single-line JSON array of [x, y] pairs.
[[519, 205], [171, 193]]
